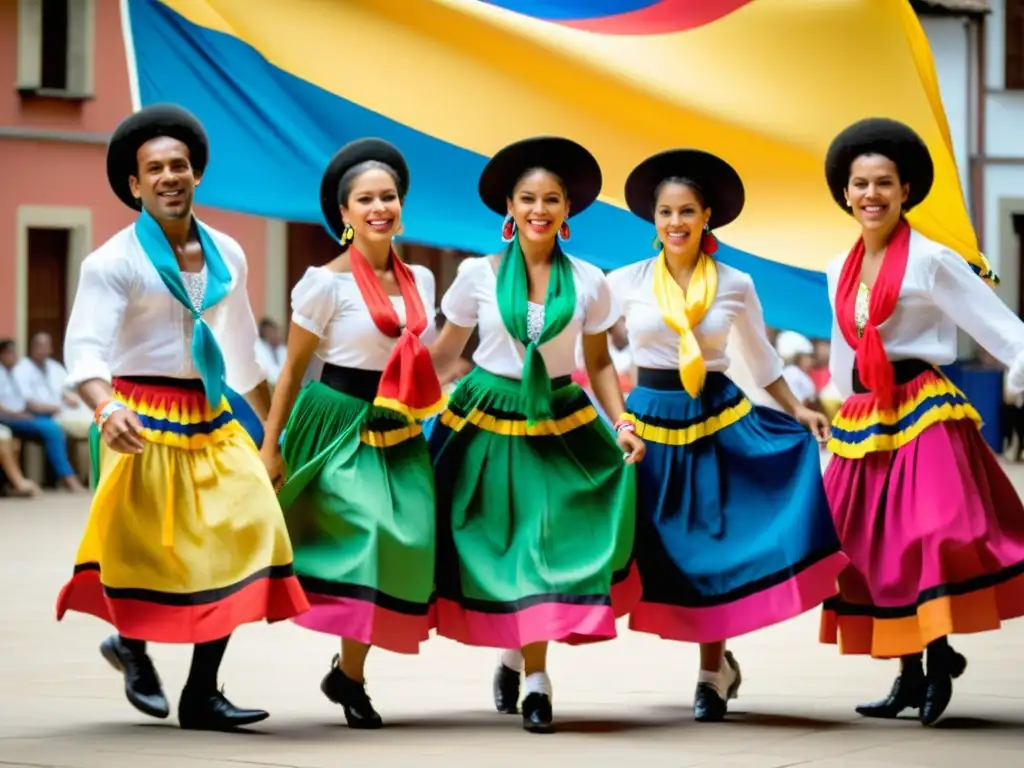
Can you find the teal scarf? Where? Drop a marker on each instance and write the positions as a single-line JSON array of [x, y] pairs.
[[559, 308], [206, 353]]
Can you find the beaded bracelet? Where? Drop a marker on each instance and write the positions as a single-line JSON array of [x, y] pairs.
[[110, 407], [624, 424]]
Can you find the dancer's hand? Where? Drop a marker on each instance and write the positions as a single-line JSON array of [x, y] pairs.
[[632, 445], [814, 421], [122, 432], [274, 464]]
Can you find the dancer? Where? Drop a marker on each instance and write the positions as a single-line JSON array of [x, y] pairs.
[[733, 528], [359, 496], [185, 540], [933, 527], [535, 498]]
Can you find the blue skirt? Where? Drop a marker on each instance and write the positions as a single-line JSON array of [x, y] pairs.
[[734, 531]]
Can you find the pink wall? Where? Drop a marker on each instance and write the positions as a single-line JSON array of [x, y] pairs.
[[42, 172]]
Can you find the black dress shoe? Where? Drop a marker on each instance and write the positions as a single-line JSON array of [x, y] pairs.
[[537, 713], [938, 687], [342, 690], [506, 690], [907, 693], [211, 711], [708, 706], [142, 685]]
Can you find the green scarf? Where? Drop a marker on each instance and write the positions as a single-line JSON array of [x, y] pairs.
[[559, 307]]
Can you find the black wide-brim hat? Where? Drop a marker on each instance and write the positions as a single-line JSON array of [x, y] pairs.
[[719, 184], [889, 138], [349, 156], [142, 126], [571, 162]]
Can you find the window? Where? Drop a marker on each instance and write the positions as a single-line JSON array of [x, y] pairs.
[[55, 47], [1014, 21]]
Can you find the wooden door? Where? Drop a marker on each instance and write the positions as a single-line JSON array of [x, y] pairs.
[[48, 284]]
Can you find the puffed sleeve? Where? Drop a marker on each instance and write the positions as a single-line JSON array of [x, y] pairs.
[[313, 301], [461, 302], [602, 310], [764, 362], [104, 289], [241, 366], [427, 286], [966, 299]]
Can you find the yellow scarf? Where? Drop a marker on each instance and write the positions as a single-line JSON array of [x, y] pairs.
[[684, 311]]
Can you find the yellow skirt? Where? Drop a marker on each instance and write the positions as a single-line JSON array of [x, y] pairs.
[[185, 541]]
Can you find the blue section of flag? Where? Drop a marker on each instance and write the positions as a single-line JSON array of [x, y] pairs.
[[572, 10], [272, 134]]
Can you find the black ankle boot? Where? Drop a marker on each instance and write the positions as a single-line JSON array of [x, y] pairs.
[[351, 696], [207, 710], [907, 693], [506, 690], [538, 716], [142, 685], [944, 666]]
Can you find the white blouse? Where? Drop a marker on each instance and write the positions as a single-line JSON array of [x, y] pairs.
[[328, 305], [939, 293], [125, 322], [473, 300], [656, 345]]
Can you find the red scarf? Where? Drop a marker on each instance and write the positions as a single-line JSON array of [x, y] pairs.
[[876, 372], [409, 383]]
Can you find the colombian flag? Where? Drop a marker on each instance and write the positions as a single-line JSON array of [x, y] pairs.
[[766, 85]]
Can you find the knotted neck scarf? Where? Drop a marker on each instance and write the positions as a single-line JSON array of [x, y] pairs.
[[873, 366], [559, 308], [683, 311], [409, 382]]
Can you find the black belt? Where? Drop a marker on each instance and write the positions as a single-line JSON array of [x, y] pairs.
[[356, 382], [906, 371], [191, 385], [666, 379]]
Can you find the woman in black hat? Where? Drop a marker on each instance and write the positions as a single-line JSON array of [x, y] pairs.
[[733, 529], [933, 527], [535, 496], [358, 489]]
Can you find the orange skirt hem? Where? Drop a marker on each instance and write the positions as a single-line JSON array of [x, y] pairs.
[[857, 632]]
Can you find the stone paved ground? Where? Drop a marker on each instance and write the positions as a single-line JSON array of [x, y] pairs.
[[60, 705]]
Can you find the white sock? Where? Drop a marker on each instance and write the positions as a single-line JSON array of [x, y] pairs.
[[513, 659], [538, 682]]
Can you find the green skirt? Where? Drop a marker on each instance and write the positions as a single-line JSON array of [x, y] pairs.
[[535, 525], [359, 505]]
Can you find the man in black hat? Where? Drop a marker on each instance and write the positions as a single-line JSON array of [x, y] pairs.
[[170, 554]]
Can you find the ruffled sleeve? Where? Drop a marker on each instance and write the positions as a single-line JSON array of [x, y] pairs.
[[314, 301], [602, 309], [461, 302]]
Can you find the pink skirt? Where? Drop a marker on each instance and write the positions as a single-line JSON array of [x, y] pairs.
[[932, 525]]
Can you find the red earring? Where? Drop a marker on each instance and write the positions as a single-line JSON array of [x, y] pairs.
[[508, 229], [708, 243], [563, 231]]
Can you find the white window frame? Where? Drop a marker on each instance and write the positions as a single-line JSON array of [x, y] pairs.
[[81, 75]]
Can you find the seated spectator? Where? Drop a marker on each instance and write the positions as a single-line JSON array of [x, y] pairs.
[[41, 381], [15, 415], [10, 450], [797, 353]]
